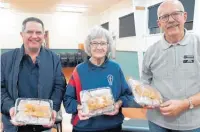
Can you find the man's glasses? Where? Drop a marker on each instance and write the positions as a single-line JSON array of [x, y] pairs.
[[96, 44], [174, 15]]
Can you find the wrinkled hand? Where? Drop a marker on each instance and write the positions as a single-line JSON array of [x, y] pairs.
[[54, 114], [12, 116], [117, 106], [173, 107], [81, 115]]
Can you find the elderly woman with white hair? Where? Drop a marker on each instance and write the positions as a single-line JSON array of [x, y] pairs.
[[98, 71]]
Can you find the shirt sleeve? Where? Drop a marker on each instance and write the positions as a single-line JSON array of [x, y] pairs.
[[6, 101], [126, 93], [147, 75], [70, 99], [59, 88]]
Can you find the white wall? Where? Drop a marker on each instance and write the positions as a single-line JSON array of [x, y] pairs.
[[8, 29], [196, 23], [112, 15], [145, 38], [142, 40], [66, 30]]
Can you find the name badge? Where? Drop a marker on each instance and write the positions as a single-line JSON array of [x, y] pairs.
[[188, 56], [188, 61]]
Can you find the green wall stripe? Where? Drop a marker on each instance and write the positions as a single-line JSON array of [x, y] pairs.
[[128, 60]]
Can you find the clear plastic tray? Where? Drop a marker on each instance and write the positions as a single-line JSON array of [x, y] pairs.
[[144, 94], [33, 111], [97, 101]]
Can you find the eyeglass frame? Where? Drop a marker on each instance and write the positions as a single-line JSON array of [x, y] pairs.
[[168, 15], [97, 44]]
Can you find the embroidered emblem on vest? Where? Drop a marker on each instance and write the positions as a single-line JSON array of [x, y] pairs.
[[110, 79]]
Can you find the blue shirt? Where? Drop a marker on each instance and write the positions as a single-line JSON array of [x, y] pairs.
[[28, 78]]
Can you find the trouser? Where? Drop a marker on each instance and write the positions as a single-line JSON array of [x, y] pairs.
[[156, 128], [116, 129]]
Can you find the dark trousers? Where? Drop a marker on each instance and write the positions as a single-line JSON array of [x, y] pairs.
[[116, 129], [32, 128], [155, 128]]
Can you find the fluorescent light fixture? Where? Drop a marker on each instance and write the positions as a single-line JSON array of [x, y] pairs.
[[4, 5], [71, 8]]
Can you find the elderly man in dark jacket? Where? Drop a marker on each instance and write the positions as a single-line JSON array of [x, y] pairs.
[[31, 71]]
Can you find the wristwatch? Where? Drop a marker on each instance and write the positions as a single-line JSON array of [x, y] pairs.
[[191, 106]]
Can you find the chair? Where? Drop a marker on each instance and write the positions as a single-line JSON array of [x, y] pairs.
[[71, 60], [79, 58], [58, 122], [64, 59]]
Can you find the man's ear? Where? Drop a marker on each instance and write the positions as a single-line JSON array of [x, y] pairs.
[[158, 23], [185, 16], [45, 35]]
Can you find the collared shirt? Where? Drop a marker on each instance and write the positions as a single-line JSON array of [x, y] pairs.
[[174, 70], [28, 78], [93, 66]]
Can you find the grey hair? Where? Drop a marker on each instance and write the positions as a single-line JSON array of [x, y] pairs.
[[31, 19], [98, 32], [177, 2]]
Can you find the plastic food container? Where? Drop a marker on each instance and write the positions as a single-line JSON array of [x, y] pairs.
[[97, 101], [145, 95], [33, 111]]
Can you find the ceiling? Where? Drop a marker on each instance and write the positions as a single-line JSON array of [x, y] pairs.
[[49, 6]]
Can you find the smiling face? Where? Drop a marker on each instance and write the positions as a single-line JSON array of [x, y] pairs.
[[99, 48], [33, 36], [171, 18]]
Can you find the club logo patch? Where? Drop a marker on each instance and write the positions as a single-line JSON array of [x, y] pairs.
[[110, 79]]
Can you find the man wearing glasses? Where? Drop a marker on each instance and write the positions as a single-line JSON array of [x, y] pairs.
[[172, 66]]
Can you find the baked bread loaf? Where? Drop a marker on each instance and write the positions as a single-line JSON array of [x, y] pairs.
[[33, 111], [144, 94], [37, 110], [95, 103]]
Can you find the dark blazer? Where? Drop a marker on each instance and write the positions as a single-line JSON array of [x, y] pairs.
[[51, 81]]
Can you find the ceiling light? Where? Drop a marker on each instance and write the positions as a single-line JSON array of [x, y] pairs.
[[4, 5], [71, 8]]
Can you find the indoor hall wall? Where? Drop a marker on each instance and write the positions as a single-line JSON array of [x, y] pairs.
[[196, 23], [66, 30], [126, 54], [112, 15], [130, 49]]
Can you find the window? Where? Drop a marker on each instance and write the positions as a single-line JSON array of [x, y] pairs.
[[127, 26], [189, 8], [152, 23], [105, 25]]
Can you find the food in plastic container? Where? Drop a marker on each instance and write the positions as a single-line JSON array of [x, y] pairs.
[[97, 101], [33, 111], [145, 94]]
